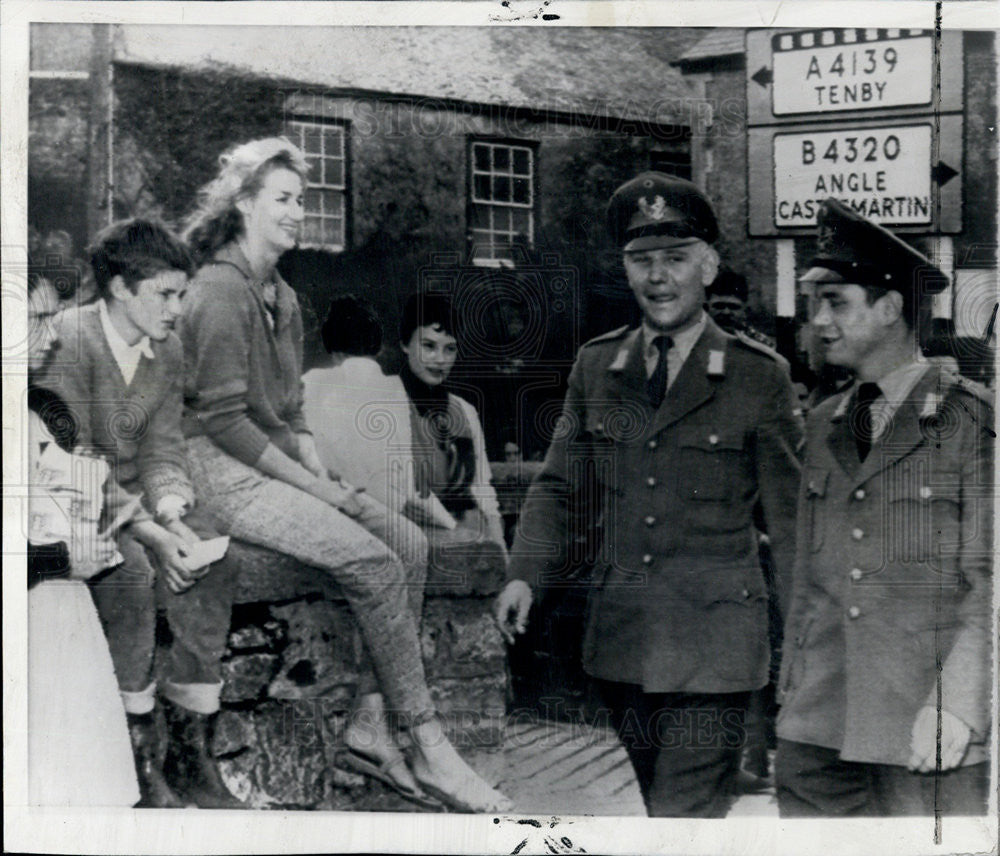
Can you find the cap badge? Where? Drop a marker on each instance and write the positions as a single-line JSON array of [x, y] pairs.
[[656, 211]]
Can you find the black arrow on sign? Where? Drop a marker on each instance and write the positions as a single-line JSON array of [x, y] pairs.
[[762, 76], [942, 173]]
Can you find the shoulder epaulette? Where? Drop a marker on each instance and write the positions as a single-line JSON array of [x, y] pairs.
[[970, 387], [607, 337], [753, 345]]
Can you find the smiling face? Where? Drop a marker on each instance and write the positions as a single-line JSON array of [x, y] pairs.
[[431, 354], [272, 217], [43, 304], [669, 283], [852, 331], [152, 309]]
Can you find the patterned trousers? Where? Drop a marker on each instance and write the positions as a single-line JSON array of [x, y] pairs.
[[383, 589]]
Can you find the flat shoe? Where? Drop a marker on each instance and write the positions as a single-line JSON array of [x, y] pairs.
[[379, 769]]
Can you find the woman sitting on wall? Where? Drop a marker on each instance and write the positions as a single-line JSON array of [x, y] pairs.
[[254, 461], [449, 449], [78, 743]]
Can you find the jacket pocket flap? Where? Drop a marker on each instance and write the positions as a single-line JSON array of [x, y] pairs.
[[731, 586], [709, 439]]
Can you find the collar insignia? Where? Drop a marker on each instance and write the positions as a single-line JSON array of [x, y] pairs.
[[932, 404], [717, 363], [842, 406]]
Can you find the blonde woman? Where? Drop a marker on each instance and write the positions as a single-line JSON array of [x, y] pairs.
[[255, 465]]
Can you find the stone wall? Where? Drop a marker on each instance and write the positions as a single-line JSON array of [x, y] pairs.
[[292, 666]]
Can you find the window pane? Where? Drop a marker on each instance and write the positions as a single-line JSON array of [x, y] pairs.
[[501, 188], [312, 231], [482, 187], [333, 172], [333, 231], [481, 157], [313, 203], [334, 141], [501, 219], [480, 217], [521, 221], [522, 163], [332, 201], [313, 140], [501, 158], [522, 192], [315, 170]]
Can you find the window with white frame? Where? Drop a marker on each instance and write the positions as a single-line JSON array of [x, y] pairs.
[[503, 198], [324, 144]]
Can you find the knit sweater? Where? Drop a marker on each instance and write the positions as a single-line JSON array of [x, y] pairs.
[[242, 379], [135, 426]]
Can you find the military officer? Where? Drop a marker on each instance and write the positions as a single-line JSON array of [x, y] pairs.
[[684, 429], [887, 643]]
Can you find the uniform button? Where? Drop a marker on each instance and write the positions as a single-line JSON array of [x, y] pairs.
[[853, 612], [746, 593], [857, 534], [650, 520], [925, 492], [713, 439], [856, 574], [647, 559], [859, 493], [651, 444], [651, 481]]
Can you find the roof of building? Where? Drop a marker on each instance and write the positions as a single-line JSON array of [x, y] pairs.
[[614, 72], [718, 43]]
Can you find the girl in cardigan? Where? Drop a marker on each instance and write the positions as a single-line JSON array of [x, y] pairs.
[[448, 446], [255, 463]]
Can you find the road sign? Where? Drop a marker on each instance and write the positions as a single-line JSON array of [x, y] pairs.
[[873, 167], [840, 73], [851, 70], [891, 172]]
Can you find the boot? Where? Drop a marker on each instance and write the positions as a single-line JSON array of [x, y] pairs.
[[147, 748], [189, 766]]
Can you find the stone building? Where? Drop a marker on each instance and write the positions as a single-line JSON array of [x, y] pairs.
[[479, 164]]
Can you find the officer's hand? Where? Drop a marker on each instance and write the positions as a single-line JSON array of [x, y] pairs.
[[955, 736], [511, 610]]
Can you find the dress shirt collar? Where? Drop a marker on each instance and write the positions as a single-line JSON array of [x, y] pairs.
[[126, 356], [683, 343], [897, 384]]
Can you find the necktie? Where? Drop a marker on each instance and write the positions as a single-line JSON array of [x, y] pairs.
[[656, 386], [861, 417]]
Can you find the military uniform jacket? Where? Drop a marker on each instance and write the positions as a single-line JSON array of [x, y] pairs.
[[892, 575], [677, 601]]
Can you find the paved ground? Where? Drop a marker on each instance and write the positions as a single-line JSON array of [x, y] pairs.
[[558, 768]]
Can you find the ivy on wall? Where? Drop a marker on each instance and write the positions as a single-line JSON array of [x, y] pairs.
[[171, 127]]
